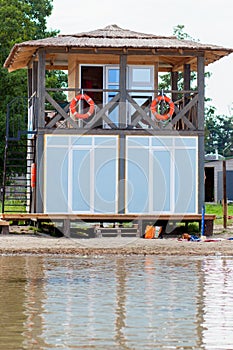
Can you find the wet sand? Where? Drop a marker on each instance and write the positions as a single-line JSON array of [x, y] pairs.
[[21, 244]]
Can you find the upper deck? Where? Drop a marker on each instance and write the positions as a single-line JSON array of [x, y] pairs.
[[119, 69]]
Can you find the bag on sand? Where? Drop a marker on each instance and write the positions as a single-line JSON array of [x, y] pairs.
[[152, 231]]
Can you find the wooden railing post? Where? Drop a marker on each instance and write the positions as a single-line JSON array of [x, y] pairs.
[[122, 107]]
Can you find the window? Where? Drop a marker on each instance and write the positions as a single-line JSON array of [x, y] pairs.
[[161, 174], [81, 176]]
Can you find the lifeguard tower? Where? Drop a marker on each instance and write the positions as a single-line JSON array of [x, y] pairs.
[[117, 149]]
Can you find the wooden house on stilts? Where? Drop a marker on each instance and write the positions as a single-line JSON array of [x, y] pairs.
[[118, 149]]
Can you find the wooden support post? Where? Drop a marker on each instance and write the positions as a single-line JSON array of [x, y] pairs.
[[140, 228], [174, 77], [186, 82], [209, 227], [200, 116], [39, 193], [121, 187], [41, 88], [34, 76], [122, 107], [156, 78], [29, 82], [224, 183], [73, 75], [66, 228], [4, 227]]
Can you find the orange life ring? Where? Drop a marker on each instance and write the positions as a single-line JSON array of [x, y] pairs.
[[155, 103], [73, 105]]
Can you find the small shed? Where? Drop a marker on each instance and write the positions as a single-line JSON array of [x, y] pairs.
[[214, 179]]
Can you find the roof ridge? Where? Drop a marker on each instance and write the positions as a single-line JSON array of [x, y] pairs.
[[114, 31]]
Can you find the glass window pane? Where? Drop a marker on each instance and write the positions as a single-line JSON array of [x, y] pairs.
[[57, 140], [56, 180], [81, 181], [114, 115], [113, 75], [113, 87], [81, 140], [138, 141], [162, 141], [185, 181], [185, 141], [105, 141], [138, 181], [161, 181], [141, 75], [105, 181]]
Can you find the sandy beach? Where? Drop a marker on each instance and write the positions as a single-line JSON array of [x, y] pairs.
[[35, 243]]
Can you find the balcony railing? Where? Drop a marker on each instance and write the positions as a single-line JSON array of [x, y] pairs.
[[112, 110]]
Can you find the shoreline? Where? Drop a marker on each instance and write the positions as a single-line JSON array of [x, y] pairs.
[[41, 244]]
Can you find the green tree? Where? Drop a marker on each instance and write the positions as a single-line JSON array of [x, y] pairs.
[[165, 80], [218, 133], [20, 20], [218, 128]]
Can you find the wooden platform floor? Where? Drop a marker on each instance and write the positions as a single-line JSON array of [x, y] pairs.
[[105, 217], [141, 220]]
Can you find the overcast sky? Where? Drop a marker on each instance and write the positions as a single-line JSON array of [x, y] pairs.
[[209, 21]]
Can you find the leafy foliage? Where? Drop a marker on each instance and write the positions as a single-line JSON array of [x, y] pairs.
[[218, 128], [57, 79], [218, 133], [20, 20]]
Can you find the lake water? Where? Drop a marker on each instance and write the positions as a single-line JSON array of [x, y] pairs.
[[118, 303]]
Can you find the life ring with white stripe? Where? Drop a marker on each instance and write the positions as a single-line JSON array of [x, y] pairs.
[[155, 103], [73, 105]]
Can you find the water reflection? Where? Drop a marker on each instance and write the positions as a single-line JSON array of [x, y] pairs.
[[21, 300], [218, 303], [116, 303]]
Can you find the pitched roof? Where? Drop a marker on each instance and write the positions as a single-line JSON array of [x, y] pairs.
[[111, 37]]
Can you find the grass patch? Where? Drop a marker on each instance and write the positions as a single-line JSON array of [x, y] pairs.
[[13, 207], [217, 209]]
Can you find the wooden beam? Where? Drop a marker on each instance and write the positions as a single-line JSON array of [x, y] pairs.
[[39, 190], [29, 71], [122, 83], [57, 67], [224, 198], [187, 84], [192, 61], [41, 88], [141, 112], [181, 114], [73, 76], [121, 172], [201, 145], [44, 216], [101, 113], [60, 110], [56, 119], [174, 79], [34, 76], [132, 132], [156, 77]]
